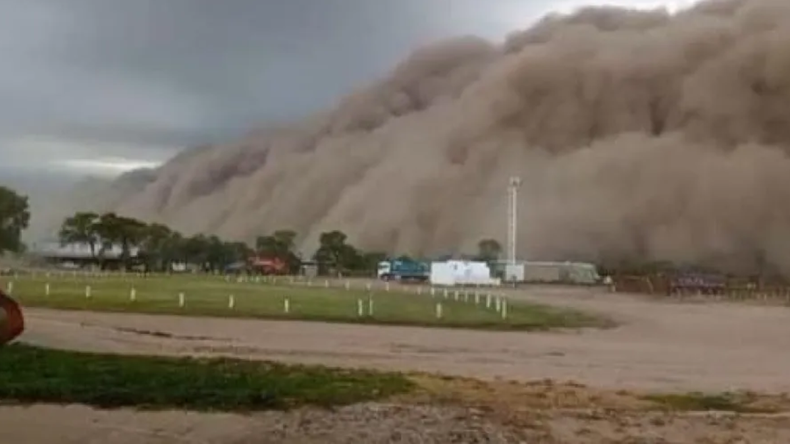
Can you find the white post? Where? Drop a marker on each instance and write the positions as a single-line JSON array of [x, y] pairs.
[[445, 293], [309, 282], [387, 286], [439, 313], [488, 300], [133, 294], [498, 304], [466, 296], [286, 306], [477, 298], [370, 306], [326, 283], [348, 285], [231, 302], [360, 308], [419, 290], [47, 290], [182, 300], [88, 292], [433, 291], [504, 308], [456, 295], [10, 287]]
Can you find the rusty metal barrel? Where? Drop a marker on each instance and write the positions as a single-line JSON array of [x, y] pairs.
[[12, 324]]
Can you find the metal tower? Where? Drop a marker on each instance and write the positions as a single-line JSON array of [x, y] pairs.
[[512, 218]]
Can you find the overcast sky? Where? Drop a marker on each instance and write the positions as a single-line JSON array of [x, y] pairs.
[[96, 86]]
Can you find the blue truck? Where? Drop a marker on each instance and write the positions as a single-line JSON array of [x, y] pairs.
[[404, 270]]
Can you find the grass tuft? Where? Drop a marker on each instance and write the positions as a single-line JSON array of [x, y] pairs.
[[34, 375]]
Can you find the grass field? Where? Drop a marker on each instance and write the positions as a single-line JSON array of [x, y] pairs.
[[31, 375], [336, 301]]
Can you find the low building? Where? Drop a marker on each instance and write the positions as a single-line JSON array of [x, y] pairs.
[[78, 255]]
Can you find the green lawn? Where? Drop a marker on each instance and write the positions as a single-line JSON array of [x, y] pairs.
[[212, 295], [31, 375]]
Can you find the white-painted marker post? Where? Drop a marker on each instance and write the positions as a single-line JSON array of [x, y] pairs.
[[498, 304], [433, 291], [10, 287], [182, 300], [360, 308], [456, 295], [47, 290], [504, 308], [231, 302], [477, 298], [466, 296], [348, 285], [286, 306], [387, 286], [370, 306], [419, 290], [488, 300], [439, 312], [88, 292], [133, 294], [326, 283]]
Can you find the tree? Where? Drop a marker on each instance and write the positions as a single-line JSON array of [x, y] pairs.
[[489, 250], [126, 232], [80, 229], [335, 254], [159, 246], [14, 218]]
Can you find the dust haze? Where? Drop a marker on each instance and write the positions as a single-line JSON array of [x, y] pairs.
[[638, 135]]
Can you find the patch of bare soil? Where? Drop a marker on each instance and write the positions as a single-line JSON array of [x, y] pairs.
[[444, 411], [659, 346]]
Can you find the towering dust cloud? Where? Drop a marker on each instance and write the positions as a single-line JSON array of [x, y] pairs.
[[638, 135]]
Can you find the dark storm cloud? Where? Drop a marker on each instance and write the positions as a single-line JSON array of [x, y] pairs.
[[167, 74], [188, 72]]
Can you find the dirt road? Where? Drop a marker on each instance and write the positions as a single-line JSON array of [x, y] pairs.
[[659, 346]]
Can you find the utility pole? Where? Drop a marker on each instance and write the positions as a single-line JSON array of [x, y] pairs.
[[512, 218]]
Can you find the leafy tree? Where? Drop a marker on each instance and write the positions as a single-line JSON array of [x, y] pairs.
[[159, 246], [127, 232], [335, 254], [14, 218], [489, 250], [195, 250], [80, 229]]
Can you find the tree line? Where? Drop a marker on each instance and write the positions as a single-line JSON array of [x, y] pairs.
[[156, 246]]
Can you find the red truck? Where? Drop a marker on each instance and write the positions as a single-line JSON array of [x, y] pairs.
[[268, 265]]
